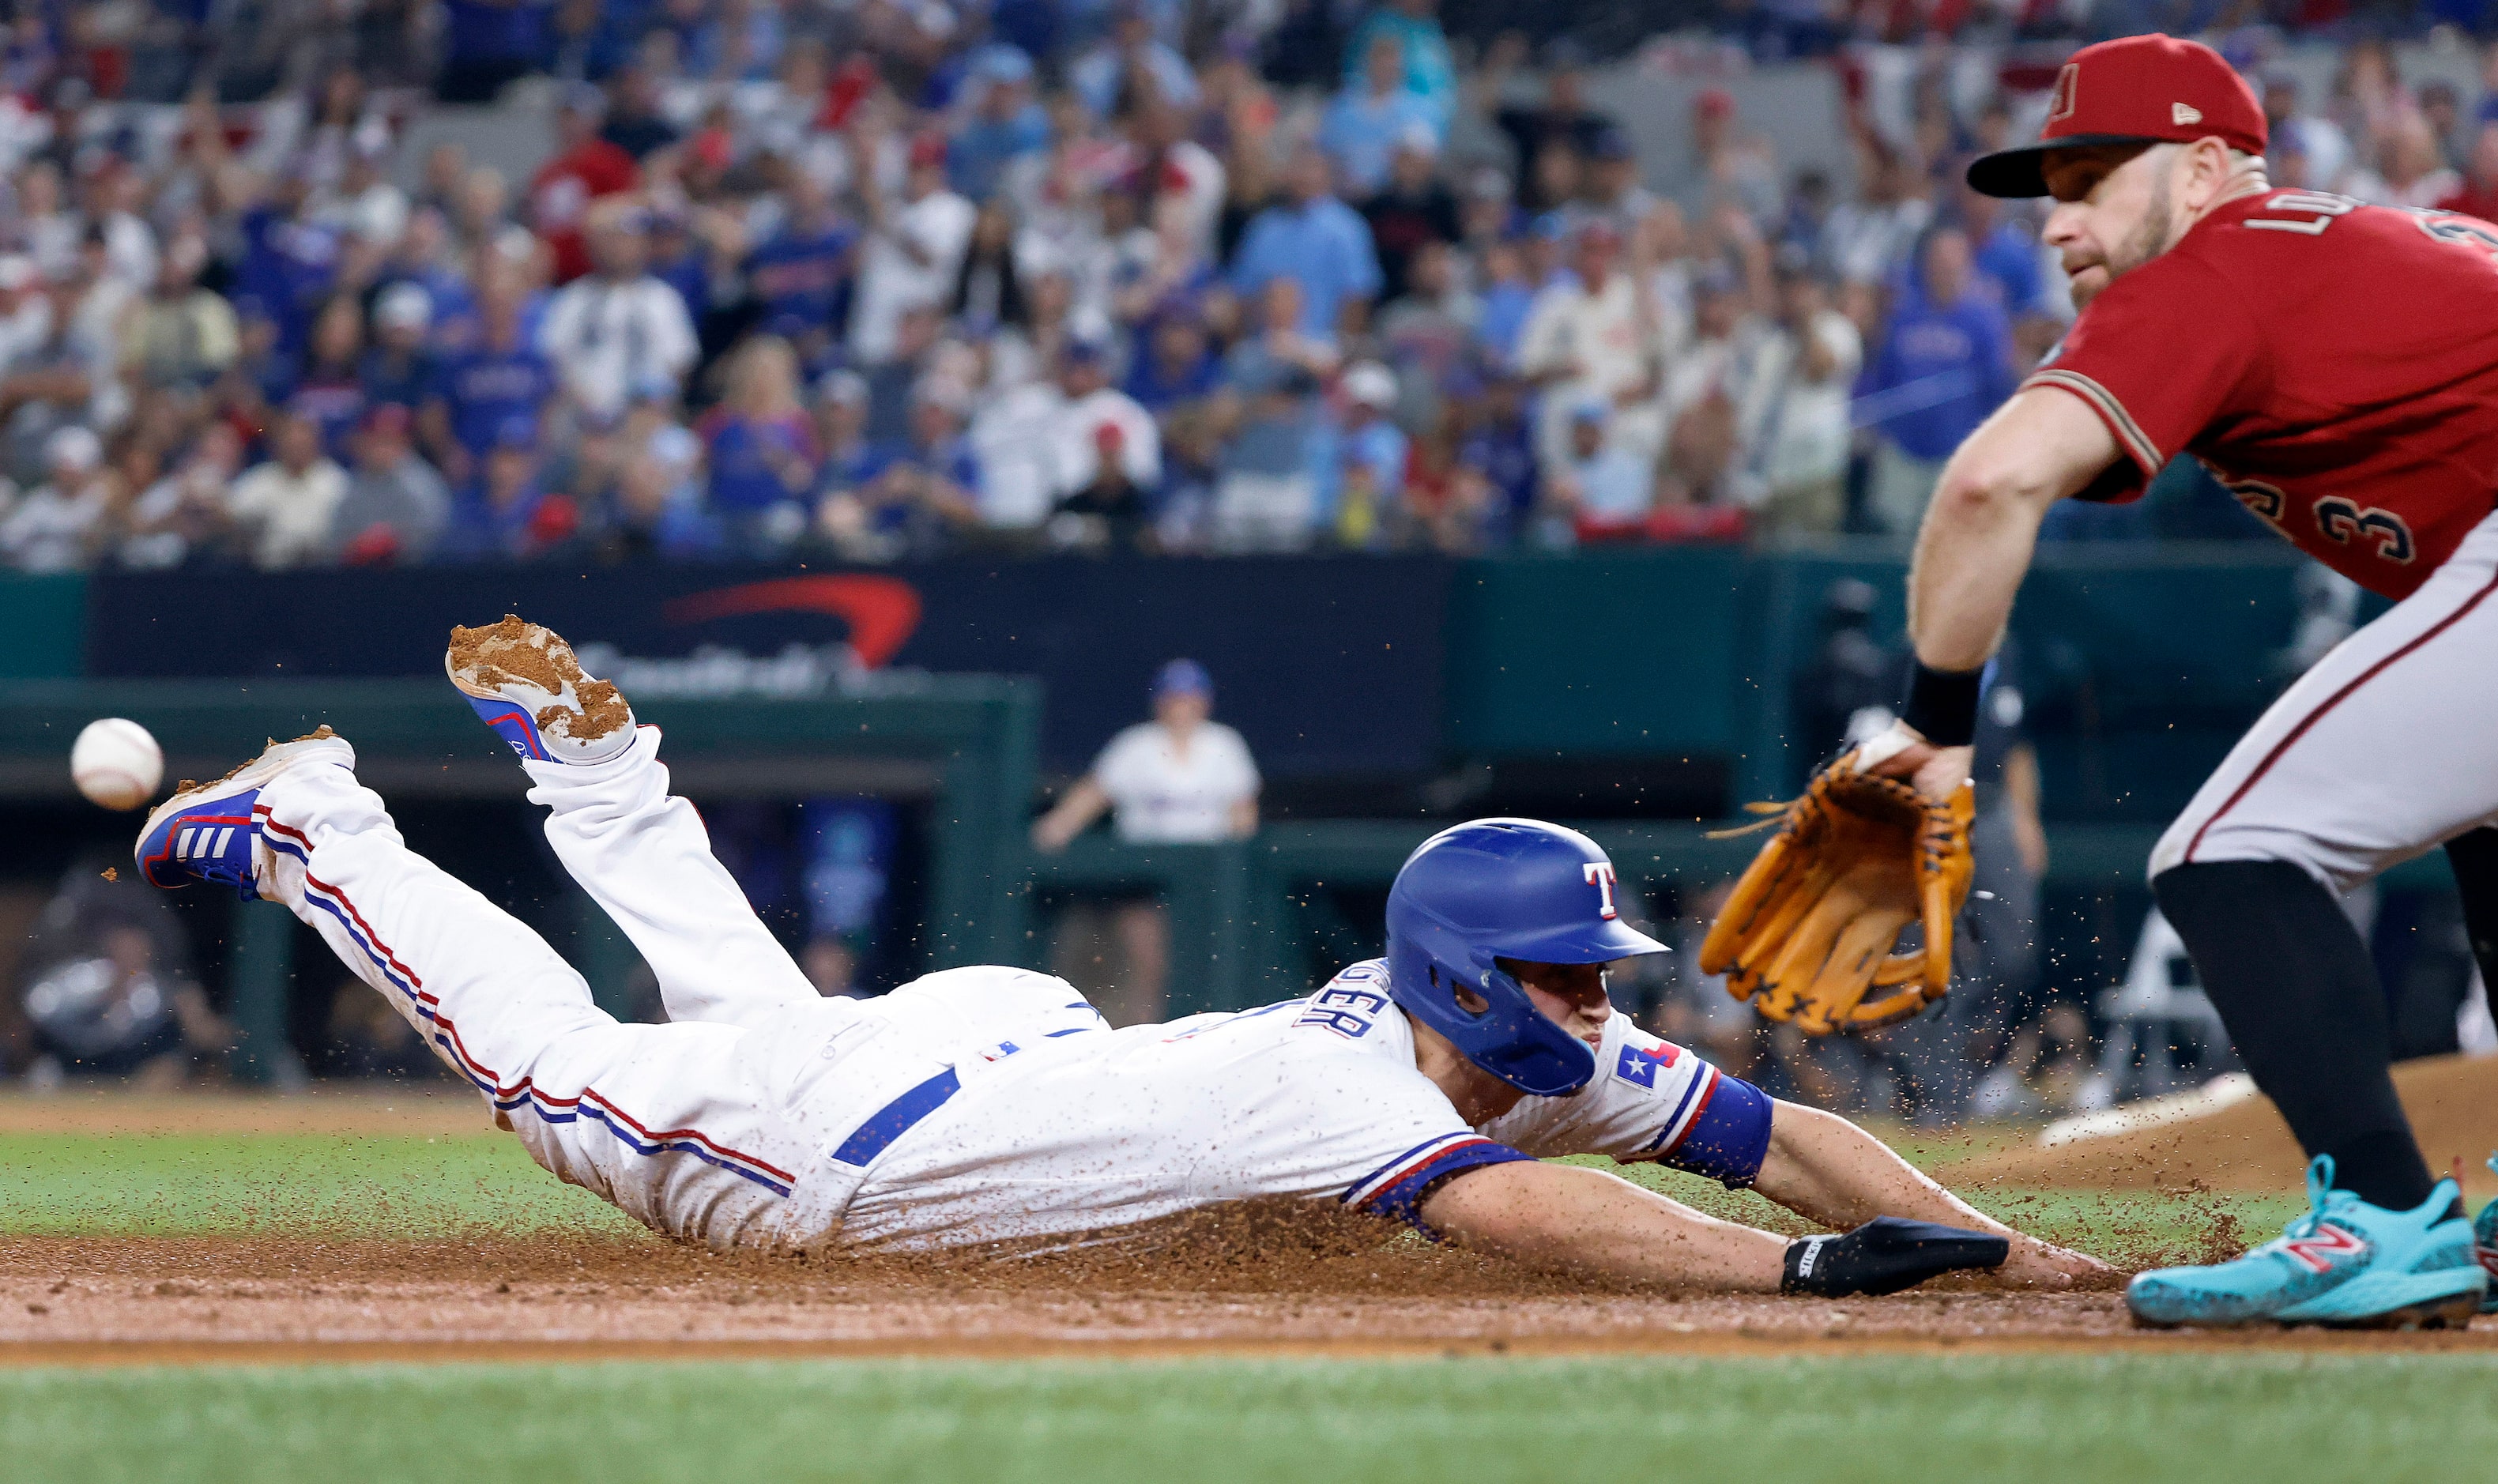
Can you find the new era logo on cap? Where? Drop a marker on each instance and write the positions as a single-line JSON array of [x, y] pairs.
[[2134, 90]]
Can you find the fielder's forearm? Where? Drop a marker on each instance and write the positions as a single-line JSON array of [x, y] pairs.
[[1584, 1220], [1827, 1170]]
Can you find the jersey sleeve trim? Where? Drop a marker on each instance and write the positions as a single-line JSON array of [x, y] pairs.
[[1729, 1134], [1686, 1112], [1396, 1188], [2136, 443]]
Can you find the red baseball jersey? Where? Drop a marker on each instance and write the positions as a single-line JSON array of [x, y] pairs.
[[2334, 364]]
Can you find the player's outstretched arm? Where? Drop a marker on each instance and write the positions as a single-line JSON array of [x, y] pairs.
[[1590, 1220], [1827, 1170], [1582, 1220]]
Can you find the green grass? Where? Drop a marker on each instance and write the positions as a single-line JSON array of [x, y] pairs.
[[2039, 1420], [195, 1185]]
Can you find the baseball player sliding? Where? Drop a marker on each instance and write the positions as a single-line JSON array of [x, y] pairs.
[[2336, 365], [993, 1104]]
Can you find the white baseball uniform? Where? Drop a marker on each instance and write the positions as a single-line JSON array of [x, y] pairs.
[[969, 1105]]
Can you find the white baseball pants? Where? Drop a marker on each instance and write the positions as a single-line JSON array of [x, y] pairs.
[[2382, 752], [719, 1127]]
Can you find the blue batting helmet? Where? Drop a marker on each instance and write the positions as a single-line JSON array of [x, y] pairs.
[[1503, 888]]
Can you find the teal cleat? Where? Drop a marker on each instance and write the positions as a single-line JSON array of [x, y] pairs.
[[2484, 1245], [2345, 1263]]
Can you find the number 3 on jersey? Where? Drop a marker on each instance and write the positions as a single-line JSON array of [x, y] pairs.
[[2341, 520]]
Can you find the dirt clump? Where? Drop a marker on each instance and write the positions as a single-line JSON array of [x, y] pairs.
[[515, 650]]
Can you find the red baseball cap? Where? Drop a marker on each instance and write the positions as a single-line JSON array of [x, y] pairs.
[[2134, 90]]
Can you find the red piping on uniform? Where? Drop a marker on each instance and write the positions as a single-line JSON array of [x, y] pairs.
[[2316, 715], [1715, 1077]]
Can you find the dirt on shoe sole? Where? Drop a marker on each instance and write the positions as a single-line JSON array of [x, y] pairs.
[[518, 651]]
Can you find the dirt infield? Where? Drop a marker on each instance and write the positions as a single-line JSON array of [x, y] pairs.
[[2453, 1102], [1243, 1281], [128, 1302]]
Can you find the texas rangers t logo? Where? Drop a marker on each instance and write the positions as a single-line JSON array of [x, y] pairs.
[[1600, 875]]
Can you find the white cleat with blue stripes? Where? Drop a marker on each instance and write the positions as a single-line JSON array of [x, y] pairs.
[[210, 833]]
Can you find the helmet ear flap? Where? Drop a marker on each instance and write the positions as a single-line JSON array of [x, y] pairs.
[[1499, 984], [1471, 1002]]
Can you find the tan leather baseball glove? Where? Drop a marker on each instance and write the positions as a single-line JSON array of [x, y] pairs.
[[1812, 924]]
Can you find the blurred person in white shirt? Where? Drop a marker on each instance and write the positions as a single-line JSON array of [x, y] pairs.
[[284, 507], [1092, 405], [57, 528], [1588, 339], [914, 250], [184, 514], [1180, 779], [618, 329], [1794, 413], [2412, 171], [25, 309]]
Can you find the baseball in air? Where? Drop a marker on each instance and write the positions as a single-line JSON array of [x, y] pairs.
[[116, 763]]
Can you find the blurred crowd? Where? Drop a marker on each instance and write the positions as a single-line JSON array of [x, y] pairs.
[[871, 280]]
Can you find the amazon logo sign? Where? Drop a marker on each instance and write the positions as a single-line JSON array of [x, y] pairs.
[[882, 612]]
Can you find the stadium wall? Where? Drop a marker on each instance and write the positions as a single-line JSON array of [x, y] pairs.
[[2142, 662]]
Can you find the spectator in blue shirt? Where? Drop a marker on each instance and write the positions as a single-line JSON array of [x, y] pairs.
[[1508, 293], [847, 460], [1369, 118], [1131, 53], [1422, 52], [1316, 241], [488, 43], [1944, 365], [634, 123], [1004, 125], [324, 386], [503, 380], [424, 261], [2004, 256], [1500, 448], [289, 265], [507, 515], [761, 448], [1176, 367], [802, 273], [401, 369], [920, 490]]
